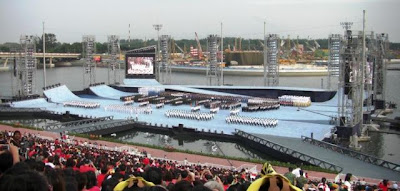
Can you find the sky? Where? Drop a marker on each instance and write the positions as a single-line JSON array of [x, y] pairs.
[[70, 19]]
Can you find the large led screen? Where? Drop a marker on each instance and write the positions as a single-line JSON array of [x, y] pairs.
[[140, 65]]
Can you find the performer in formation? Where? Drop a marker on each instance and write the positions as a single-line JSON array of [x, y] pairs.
[[129, 109], [297, 101], [265, 122], [189, 115], [261, 107], [81, 104]]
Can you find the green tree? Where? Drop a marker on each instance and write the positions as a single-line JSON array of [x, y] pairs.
[[51, 43]]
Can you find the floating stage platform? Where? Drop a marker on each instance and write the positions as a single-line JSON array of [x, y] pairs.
[[294, 123]]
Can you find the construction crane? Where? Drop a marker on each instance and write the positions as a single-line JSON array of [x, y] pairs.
[[240, 43], [316, 44], [235, 47], [199, 46], [179, 48], [310, 47], [262, 44]]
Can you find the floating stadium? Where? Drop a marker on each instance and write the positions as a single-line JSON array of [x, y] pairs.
[[290, 123]]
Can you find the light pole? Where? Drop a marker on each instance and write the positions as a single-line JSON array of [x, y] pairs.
[[222, 58], [44, 57], [158, 27]]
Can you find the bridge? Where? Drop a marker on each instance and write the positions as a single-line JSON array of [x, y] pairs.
[[50, 56], [40, 55]]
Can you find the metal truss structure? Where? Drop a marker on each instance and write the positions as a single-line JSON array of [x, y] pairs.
[[56, 126], [334, 45], [287, 151], [164, 67], [27, 69], [89, 66], [382, 44], [15, 56], [370, 42], [350, 108], [114, 66], [213, 73], [360, 156], [271, 66]]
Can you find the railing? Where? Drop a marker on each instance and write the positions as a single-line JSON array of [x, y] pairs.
[[53, 126], [247, 152], [392, 121], [20, 110], [101, 126], [282, 149], [360, 156]]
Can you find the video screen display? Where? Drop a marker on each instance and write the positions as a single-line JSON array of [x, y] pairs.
[[140, 65]]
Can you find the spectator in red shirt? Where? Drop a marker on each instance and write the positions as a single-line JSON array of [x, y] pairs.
[[101, 177], [87, 166], [384, 185], [146, 161]]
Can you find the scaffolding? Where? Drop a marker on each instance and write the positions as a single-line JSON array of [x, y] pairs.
[[27, 70], [382, 44], [350, 82], [89, 66], [15, 56], [370, 42], [334, 45], [213, 73], [271, 66], [164, 68], [114, 66]]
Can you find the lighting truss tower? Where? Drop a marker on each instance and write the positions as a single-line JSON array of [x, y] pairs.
[[334, 44], [213, 73], [369, 69], [158, 27], [89, 66], [271, 66], [28, 66], [164, 68], [114, 66], [350, 83], [15, 56], [382, 44]]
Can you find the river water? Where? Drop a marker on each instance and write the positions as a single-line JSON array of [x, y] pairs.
[[384, 146]]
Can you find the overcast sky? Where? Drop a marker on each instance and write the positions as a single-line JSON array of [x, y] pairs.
[[70, 19]]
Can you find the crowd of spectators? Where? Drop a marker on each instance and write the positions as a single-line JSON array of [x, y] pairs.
[[28, 162]]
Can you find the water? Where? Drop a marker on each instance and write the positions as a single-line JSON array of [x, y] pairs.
[[382, 145], [199, 145]]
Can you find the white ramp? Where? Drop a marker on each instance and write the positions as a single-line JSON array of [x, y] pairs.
[[141, 82], [60, 94], [105, 91]]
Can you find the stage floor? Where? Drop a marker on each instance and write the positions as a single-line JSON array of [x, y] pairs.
[[292, 122]]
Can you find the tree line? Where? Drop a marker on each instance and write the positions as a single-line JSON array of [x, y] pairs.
[[53, 46]]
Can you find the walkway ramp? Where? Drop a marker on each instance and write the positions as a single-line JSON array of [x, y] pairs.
[[100, 125], [30, 103], [108, 92], [60, 94], [349, 164]]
